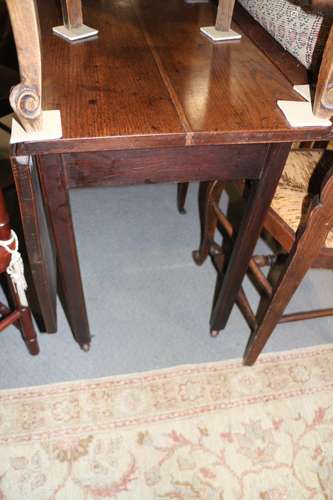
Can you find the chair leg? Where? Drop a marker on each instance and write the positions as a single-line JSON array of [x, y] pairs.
[[28, 331], [305, 249], [209, 194], [182, 188], [274, 310], [25, 323]]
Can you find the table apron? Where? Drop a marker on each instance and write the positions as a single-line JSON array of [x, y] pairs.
[[181, 164]]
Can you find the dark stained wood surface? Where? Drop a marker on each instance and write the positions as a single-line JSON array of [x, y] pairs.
[[37, 240], [56, 199], [116, 168], [151, 79], [259, 199], [151, 82]]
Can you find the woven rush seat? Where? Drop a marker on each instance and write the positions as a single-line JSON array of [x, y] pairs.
[[297, 183]]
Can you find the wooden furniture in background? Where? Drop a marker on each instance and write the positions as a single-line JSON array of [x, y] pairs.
[[309, 243], [323, 104], [324, 6], [306, 247], [174, 118], [8, 64], [72, 13], [20, 316], [300, 220], [221, 31], [8, 78], [26, 100], [296, 74], [73, 28], [224, 14]]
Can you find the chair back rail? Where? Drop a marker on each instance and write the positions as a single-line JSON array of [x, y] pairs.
[[26, 97]]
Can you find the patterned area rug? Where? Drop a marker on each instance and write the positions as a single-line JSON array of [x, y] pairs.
[[210, 431]]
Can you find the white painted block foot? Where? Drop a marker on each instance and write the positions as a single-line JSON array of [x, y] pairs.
[[300, 114], [75, 34], [304, 91], [51, 129], [220, 36]]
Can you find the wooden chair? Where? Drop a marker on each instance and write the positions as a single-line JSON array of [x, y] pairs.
[[8, 64], [20, 315], [8, 78], [300, 220]]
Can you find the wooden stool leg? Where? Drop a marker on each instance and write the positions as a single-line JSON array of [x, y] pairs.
[[182, 189], [209, 194]]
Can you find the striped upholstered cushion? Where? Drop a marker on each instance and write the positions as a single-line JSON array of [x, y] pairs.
[[302, 176], [296, 29]]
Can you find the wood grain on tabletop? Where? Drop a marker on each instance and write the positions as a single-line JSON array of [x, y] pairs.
[[151, 75]]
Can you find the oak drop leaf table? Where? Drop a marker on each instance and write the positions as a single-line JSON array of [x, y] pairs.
[[149, 100]]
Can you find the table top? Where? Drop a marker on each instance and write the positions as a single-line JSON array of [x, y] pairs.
[[151, 79]]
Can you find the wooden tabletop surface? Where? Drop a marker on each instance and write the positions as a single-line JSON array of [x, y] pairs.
[[151, 79]]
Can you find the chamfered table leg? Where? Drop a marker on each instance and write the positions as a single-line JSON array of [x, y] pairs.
[[259, 198], [55, 190], [41, 256]]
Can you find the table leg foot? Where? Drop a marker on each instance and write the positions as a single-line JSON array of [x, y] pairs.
[[32, 346], [198, 257], [85, 347], [214, 333]]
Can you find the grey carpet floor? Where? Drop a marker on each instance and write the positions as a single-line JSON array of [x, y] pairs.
[[148, 304]]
